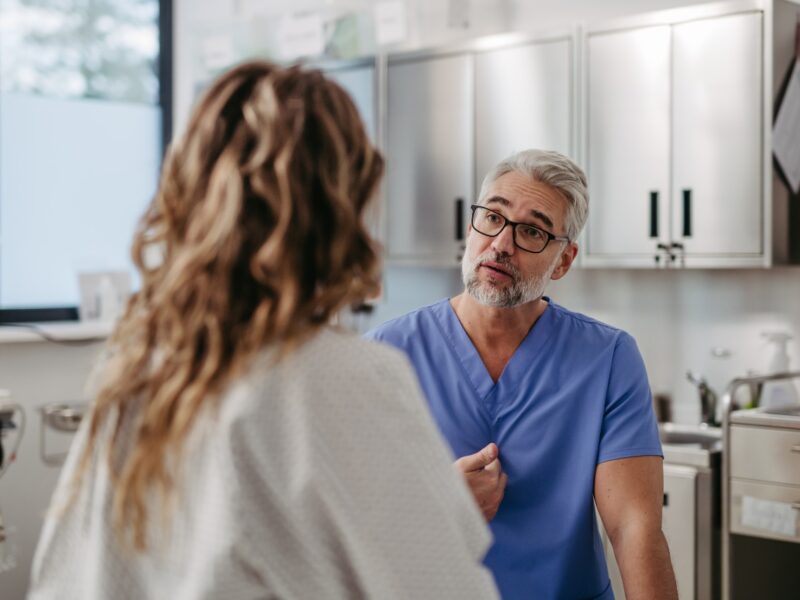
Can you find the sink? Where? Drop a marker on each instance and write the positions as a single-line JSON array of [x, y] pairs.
[[705, 436], [696, 445]]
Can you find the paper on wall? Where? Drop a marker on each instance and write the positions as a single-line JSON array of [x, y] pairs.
[[217, 52], [301, 35], [786, 131], [390, 22], [767, 515]]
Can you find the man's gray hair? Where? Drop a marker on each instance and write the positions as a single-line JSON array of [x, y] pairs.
[[555, 170]]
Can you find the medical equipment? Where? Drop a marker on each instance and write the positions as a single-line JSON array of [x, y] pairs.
[[12, 424], [61, 417]]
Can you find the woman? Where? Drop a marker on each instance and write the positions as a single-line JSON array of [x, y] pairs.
[[239, 446]]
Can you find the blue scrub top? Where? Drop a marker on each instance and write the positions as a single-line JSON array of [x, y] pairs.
[[574, 394]]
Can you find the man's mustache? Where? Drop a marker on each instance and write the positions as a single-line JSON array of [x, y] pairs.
[[500, 259]]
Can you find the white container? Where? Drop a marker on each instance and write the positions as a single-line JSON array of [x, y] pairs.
[[780, 394]]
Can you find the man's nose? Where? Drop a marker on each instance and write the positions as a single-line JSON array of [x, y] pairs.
[[504, 241]]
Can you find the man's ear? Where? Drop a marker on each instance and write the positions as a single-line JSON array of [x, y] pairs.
[[565, 261]]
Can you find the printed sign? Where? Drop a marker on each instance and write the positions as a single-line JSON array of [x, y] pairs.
[[301, 35], [390, 22], [767, 515]]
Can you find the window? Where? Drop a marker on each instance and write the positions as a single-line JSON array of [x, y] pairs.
[[84, 107]]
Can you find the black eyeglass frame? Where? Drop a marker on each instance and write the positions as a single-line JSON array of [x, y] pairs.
[[550, 236]]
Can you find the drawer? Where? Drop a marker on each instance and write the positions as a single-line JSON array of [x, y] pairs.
[[765, 510], [765, 454]]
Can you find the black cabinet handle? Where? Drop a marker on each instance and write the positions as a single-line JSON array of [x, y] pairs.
[[459, 219], [687, 213], [653, 214], [665, 249]]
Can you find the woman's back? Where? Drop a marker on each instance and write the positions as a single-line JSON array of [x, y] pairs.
[[320, 476]]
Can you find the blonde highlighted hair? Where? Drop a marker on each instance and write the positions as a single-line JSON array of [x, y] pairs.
[[258, 231]]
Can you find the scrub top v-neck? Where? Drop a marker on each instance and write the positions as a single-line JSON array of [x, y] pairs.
[[574, 394]]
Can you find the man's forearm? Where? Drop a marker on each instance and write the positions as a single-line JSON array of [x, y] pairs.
[[644, 561]]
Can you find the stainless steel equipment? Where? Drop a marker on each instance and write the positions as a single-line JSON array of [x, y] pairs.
[[12, 419], [760, 490], [65, 418], [9, 424]]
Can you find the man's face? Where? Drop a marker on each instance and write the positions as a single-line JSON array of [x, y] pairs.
[[495, 271]]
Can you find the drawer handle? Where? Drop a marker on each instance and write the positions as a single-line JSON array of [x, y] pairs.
[[796, 505], [796, 449]]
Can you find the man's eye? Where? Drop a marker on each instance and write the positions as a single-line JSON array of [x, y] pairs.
[[493, 218], [531, 233]]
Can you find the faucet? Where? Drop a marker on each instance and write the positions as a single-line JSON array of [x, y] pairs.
[[708, 399]]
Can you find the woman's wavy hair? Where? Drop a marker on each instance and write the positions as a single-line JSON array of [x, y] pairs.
[[255, 237]]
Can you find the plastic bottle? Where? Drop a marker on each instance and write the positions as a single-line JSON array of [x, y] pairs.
[[782, 393]]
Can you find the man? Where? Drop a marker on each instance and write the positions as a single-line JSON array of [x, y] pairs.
[[548, 409]]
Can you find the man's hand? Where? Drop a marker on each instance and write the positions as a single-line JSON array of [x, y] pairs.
[[485, 478]]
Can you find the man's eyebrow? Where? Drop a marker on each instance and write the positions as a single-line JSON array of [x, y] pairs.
[[534, 213], [543, 218]]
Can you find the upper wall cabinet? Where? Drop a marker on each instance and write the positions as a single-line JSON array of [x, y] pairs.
[[451, 116], [677, 138], [523, 99], [717, 208], [429, 152], [628, 141]]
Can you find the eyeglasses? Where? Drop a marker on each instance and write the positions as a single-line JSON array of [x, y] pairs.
[[526, 236]]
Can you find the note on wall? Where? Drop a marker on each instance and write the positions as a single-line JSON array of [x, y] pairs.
[[767, 515], [390, 22], [786, 131], [217, 52], [301, 35]]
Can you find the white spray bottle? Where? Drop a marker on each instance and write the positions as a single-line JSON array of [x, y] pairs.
[[782, 393]]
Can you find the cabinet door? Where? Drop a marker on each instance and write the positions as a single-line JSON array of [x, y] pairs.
[[430, 157], [523, 99], [628, 112], [717, 149], [679, 525]]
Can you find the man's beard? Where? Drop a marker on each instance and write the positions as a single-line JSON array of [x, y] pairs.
[[520, 290]]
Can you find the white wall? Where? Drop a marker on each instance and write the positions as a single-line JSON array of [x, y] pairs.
[[680, 317]]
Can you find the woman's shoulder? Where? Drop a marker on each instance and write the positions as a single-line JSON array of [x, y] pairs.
[[332, 365]]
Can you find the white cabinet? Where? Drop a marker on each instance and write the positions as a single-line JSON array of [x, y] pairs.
[[451, 117], [674, 142], [689, 522], [680, 529]]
